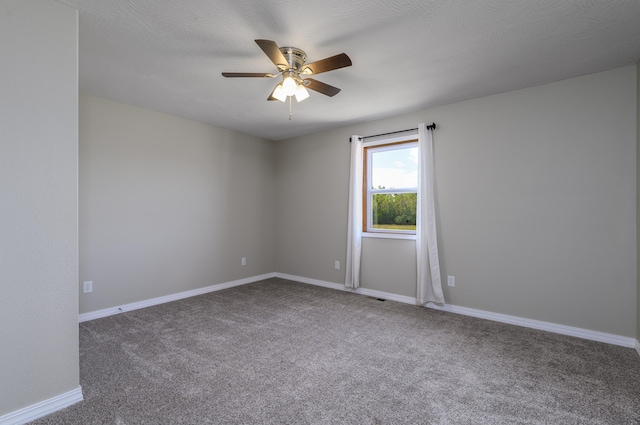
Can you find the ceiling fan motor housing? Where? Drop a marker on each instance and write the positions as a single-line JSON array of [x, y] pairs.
[[295, 58]]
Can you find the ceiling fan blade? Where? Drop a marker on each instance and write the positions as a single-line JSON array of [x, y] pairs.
[[247, 74], [320, 87], [271, 49], [327, 64]]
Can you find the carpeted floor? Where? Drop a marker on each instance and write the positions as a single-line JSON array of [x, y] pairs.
[[283, 352]]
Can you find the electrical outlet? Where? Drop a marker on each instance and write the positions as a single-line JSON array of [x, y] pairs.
[[87, 287], [337, 265], [451, 280], [244, 261]]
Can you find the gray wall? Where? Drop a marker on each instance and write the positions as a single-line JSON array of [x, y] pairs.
[[638, 201], [38, 202], [535, 194], [168, 205]]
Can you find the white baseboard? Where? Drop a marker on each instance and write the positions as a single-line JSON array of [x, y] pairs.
[[168, 298], [481, 314], [540, 325], [341, 287], [43, 408], [315, 282]]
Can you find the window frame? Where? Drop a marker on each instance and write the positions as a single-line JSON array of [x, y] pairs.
[[367, 214]]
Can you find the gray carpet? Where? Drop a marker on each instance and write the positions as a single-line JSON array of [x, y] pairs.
[[283, 352]]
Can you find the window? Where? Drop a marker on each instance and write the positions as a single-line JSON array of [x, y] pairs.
[[390, 187]]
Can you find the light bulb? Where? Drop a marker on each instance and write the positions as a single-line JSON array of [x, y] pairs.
[[289, 85], [301, 93], [279, 93]]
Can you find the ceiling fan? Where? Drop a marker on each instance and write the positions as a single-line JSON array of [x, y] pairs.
[[291, 65]]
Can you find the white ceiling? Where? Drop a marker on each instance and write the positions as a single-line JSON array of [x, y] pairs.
[[407, 55]]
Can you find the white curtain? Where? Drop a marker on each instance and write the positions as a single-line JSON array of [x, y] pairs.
[[428, 270], [354, 226]]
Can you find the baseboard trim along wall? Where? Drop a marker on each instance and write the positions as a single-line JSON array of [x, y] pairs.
[[43, 408], [540, 325], [339, 287], [481, 314], [168, 298]]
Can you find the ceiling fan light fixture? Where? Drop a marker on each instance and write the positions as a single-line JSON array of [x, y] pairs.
[[289, 85], [279, 93], [301, 93]]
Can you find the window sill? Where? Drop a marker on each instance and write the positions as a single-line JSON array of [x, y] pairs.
[[384, 235]]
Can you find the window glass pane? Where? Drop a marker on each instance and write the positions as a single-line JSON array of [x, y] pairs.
[[394, 211], [392, 169]]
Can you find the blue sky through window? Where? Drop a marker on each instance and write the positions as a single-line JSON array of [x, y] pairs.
[[397, 168]]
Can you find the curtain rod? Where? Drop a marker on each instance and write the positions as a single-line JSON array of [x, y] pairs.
[[431, 126]]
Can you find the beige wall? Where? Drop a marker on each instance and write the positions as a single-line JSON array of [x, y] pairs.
[[168, 205], [535, 194], [38, 202]]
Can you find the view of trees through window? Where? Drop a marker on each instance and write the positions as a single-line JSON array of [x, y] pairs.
[[394, 211]]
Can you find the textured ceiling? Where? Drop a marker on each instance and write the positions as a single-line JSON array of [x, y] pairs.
[[407, 55]]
